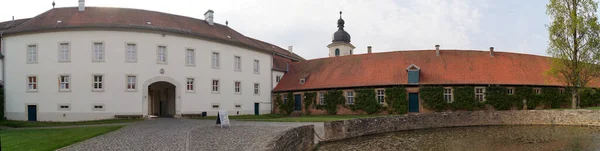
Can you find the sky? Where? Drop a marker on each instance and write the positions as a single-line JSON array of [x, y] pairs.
[[386, 25]]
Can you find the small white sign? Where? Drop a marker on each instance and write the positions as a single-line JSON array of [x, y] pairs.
[[223, 119]]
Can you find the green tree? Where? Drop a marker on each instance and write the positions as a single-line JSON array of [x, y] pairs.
[[573, 43]]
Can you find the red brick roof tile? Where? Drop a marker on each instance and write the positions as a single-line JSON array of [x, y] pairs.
[[452, 67]]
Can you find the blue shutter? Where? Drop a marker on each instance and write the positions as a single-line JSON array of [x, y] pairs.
[[413, 76]]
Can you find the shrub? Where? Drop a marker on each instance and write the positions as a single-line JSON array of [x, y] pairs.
[[497, 97], [588, 97], [309, 99], [465, 99], [365, 100], [433, 97], [397, 97], [286, 107], [333, 98]]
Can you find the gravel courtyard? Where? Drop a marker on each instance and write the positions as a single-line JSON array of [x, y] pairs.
[[189, 134]]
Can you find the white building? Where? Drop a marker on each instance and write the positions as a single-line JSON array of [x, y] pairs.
[[89, 63]]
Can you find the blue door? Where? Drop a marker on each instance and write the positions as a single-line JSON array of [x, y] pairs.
[[31, 112], [256, 105], [413, 102], [298, 102]]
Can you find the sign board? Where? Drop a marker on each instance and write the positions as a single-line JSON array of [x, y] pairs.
[[223, 119]]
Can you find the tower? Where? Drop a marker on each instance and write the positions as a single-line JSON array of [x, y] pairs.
[[340, 45]]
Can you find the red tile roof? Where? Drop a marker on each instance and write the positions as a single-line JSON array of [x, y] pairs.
[[280, 63], [452, 67], [125, 18]]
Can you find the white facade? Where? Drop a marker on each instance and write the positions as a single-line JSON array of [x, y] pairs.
[[277, 75], [82, 65], [342, 48]]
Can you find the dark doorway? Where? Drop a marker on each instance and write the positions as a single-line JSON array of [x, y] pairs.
[[162, 99], [256, 108], [298, 102], [413, 102], [32, 112]]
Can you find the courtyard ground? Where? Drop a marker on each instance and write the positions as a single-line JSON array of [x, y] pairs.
[[285, 118], [50, 138], [190, 134], [20, 124]]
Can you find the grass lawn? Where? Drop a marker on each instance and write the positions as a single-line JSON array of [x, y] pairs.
[[284, 118], [49, 139], [10, 123], [593, 108]]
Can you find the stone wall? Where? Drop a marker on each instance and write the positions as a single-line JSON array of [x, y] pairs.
[[299, 138], [337, 130]]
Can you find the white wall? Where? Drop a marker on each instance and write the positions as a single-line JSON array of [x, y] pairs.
[[275, 74], [344, 49], [115, 98]]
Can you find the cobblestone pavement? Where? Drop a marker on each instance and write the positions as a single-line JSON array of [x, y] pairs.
[[189, 134]]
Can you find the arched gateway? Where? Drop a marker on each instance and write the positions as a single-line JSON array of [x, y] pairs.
[[162, 97]]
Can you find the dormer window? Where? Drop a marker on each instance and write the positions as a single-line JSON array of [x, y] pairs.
[[413, 74], [302, 80]]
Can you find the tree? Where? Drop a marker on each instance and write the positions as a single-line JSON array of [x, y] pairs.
[[574, 43]]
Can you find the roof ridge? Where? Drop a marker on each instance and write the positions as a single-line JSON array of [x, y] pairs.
[[34, 17]]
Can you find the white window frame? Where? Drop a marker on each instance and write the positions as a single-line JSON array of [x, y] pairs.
[[60, 105], [448, 95], [215, 87], [237, 63], [478, 94], [100, 83], [67, 82], [164, 58], [132, 83], [98, 54], [511, 91], [537, 91], [561, 90], [131, 54], [237, 89], [380, 95], [277, 78], [350, 97], [190, 57], [322, 98], [190, 82], [215, 60], [64, 54], [256, 88], [256, 66], [103, 107], [31, 53], [32, 86], [284, 98]]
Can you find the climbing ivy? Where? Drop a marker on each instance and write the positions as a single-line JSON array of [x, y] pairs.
[[498, 97], [366, 101], [588, 97], [285, 107], [333, 98], [397, 97], [309, 99], [433, 97], [465, 99]]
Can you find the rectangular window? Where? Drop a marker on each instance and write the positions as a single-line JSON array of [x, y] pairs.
[[98, 107], [480, 94], [215, 85], [237, 63], [190, 84], [350, 97], [381, 96], [98, 83], [237, 87], [562, 90], [511, 91], [98, 52], [131, 82], [64, 84], [448, 95], [537, 91], [215, 106], [215, 60], [161, 55], [32, 54], [278, 78], [322, 98], [238, 106], [64, 107], [285, 99], [131, 54], [256, 66], [32, 83], [63, 52], [190, 57], [256, 88]]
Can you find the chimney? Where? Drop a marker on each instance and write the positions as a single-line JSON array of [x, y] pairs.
[[492, 51], [208, 17], [437, 50], [291, 48], [369, 49], [81, 5]]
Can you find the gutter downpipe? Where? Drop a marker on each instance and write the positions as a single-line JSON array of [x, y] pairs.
[[271, 95]]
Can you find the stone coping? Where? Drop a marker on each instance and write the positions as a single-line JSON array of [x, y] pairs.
[[298, 138], [344, 129]]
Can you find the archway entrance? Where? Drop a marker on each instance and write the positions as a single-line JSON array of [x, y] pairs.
[[161, 99]]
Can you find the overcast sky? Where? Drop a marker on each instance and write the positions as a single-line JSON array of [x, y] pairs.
[[308, 25]]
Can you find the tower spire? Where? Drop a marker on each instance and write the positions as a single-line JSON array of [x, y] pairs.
[[340, 14]]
